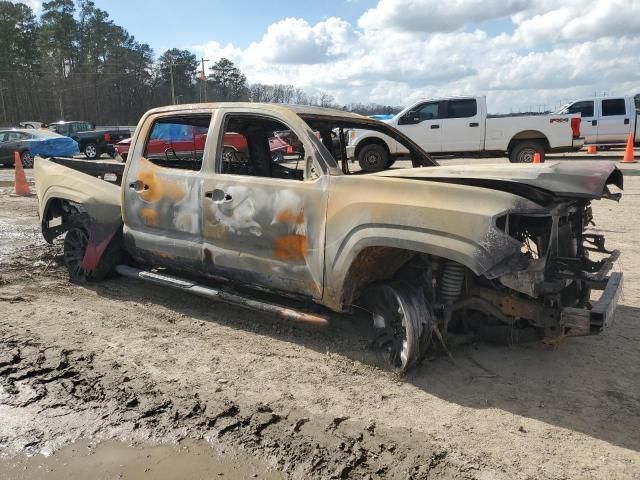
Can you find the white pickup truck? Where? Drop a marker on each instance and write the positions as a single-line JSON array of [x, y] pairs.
[[606, 120], [461, 125]]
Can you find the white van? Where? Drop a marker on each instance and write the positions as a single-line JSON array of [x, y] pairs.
[[606, 120]]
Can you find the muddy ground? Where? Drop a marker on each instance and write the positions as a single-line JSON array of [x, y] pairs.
[[136, 364]]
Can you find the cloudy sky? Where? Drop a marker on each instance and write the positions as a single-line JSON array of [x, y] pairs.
[[521, 54]]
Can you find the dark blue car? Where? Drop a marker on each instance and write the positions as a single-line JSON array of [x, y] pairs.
[[29, 142]]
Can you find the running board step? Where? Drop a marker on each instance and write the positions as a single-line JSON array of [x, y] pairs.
[[222, 295]]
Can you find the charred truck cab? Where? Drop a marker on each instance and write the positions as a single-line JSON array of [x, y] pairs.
[[428, 251]]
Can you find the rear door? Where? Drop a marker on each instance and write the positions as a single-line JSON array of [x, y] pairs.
[[589, 119], [162, 193], [11, 143], [615, 121], [463, 128], [423, 124], [5, 150]]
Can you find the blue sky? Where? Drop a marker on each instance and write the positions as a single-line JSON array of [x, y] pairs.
[[191, 22]]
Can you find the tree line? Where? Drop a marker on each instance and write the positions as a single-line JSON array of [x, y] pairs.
[[74, 62]]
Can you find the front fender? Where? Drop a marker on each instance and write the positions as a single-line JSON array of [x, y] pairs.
[[455, 222]]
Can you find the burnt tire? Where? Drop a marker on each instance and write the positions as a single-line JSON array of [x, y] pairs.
[[523, 152], [402, 339], [373, 158], [26, 159], [90, 151], [76, 241]]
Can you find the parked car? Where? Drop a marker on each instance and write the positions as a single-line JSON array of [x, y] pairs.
[[427, 252], [31, 124], [606, 120], [29, 142], [93, 143], [461, 126], [181, 141]]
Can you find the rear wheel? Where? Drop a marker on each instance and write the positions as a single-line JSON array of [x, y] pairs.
[[76, 242], [373, 158], [524, 152], [91, 151], [27, 159]]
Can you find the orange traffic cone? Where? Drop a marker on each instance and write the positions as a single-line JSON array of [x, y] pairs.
[[22, 187], [628, 152], [536, 157], [591, 149]]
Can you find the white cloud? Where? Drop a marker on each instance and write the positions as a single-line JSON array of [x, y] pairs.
[[436, 15], [398, 53], [36, 5], [294, 41], [575, 21]]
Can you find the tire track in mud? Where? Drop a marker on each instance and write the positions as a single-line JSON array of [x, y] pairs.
[[59, 382]]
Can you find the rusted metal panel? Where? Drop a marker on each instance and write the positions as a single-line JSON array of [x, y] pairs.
[[100, 200], [451, 221]]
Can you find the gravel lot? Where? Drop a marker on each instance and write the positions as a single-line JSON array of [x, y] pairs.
[[135, 364]]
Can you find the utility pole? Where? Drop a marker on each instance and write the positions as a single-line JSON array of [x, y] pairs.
[[203, 77], [173, 93], [4, 107]]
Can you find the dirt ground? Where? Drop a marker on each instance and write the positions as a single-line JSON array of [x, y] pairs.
[[124, 363]]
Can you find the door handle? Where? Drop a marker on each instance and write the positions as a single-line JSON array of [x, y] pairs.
[[626, 121], [218, 196], [138, 186], [433, 127], [594, 122], [474, 124]]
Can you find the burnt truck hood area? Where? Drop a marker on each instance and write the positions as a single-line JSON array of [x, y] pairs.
[[541, 183]]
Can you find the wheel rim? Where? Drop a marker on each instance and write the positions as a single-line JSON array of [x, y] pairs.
[[526, 155], [75, 247], [90, 151], [394, 342], [372, 159], [27, 160]]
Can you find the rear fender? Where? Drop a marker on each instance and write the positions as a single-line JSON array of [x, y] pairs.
[[65, 193]]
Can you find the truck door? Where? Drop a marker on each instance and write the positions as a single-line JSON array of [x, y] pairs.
[[423, 124], [162, 192], [263, 215], [589, 119], [463, 128], [615, 122]]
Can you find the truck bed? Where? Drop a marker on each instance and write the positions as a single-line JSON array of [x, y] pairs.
[[109, 171]]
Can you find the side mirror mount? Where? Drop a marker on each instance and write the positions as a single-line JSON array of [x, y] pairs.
[[409, 118]]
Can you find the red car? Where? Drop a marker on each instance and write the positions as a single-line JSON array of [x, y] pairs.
[[235, 145]]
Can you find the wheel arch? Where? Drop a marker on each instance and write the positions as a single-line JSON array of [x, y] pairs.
[[529, 135], [101, 233], [371, 141], [374, 259]]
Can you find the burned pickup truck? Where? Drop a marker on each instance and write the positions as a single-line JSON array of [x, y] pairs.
[[428, 251]]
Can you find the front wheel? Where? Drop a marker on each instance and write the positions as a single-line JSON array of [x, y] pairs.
[[91, 151], [399, 312], [27, 159], [524, 152], [373, 158]]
